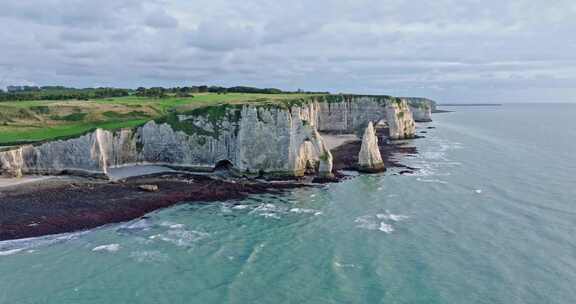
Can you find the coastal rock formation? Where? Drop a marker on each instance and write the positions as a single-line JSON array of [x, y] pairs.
[[369, 158], [400, 120], [271, 139], [11, 163], [421, 108]]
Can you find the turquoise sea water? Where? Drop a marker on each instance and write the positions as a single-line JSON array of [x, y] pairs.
[[490, 218]]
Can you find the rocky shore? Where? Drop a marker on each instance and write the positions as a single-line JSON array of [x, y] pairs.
[[243, 149], [346, 155], [59, 205], [71, 204]]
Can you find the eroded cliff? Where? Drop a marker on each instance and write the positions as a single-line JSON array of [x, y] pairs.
[[256, 139], [421, 108]]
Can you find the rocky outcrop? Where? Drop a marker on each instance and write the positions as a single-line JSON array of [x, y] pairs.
[[421, 108], [400, 120], [351, 113], [369, 158], [256, 139], [11, 162]]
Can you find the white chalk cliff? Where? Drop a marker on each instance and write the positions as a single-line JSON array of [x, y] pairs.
[[421, 108], [257, 139], [369, 158]]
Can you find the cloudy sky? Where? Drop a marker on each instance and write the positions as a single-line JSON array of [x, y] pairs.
[[449, 50]]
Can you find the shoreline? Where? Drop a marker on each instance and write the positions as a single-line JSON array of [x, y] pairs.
[[74, 204], [42, 206]]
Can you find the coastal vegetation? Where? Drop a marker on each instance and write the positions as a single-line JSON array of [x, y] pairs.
[[35, 114], [42, 118]]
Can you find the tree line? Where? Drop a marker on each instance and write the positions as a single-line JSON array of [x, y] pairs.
[[59, 93], [20, 93]]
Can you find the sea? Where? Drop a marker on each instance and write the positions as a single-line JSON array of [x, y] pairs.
[[489, 217]]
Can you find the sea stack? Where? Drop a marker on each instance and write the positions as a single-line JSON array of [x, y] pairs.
[[369, 158]]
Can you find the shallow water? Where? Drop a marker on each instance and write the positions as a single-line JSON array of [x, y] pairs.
[[490, 218]]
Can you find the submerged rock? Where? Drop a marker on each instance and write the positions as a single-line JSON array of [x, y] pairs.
[[369, 158]]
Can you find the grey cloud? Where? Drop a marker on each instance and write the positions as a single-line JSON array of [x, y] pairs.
[[451, 50], [218, 35], [161, 19], [79, 36]]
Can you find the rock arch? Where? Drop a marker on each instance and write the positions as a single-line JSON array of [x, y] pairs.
[[312, 150], [223, 165]]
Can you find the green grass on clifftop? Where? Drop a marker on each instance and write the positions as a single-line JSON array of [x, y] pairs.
[[33, 121]]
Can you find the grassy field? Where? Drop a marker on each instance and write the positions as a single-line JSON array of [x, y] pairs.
[[30, 121]]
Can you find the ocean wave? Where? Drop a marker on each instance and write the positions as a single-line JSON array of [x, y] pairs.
[[437, 181], [270, 215], [387, 228], [241, 207], [149, 256], [379, 222], [304, 210], [340, 265], [172, 225], [11, 252], [434, 155], [107, 248], [268, 210], [138, 225], [390, 216], [17, 246], [180, 237]]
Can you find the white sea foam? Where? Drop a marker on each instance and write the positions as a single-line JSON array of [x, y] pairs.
[[10, 252], [434, 155], [436, 181], [16, 246], [241, 207], [379, 222], [137, 225], [107, 248], [340, 265], [267, 207], [386, 228], [180, 237], [172, 225], [269, 211], [303, 210], [367, 222], [391, 216], [270, 215], [149, 256], [226, 208]]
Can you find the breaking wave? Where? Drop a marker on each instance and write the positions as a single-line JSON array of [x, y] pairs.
[[379, 222]]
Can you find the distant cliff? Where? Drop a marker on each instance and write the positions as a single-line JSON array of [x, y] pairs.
[[255, 138], [422, 108]]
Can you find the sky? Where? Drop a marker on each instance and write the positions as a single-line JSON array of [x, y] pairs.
[[448, 50]]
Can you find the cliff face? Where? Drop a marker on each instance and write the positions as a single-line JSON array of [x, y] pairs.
[[400, 120], [421, 108], [266, 139]]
